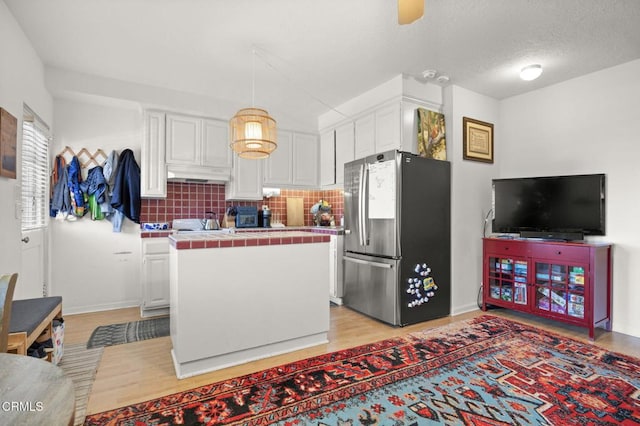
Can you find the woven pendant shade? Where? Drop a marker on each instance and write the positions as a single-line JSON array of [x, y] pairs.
[[253, 133], [409, 11]]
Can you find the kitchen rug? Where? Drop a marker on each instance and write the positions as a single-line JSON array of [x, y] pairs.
[[127, 332], [483, 371], [80, 365]]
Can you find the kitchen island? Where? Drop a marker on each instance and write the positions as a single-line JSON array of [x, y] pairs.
[[244, 296]]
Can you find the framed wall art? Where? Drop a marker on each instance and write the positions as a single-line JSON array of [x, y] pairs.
[[8, 139], [477, 140], [432, 142]]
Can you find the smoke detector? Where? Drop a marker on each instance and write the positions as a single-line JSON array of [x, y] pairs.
[[429, 74]]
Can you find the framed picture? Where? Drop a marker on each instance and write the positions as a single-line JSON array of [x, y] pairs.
[[477, 140], [8, 138]]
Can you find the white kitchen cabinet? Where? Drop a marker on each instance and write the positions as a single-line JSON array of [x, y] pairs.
[[246, 180], [294, 163], [305, 160], [184, 140], [277, 168], [216, 151], [378, 131], [327, 158], [364, 137], [388, 133], [336, 290], [155, 277], [344, 149], [197, 148], [153, 169]]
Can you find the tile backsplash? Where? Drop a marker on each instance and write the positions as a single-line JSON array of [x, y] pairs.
[[193, 200]]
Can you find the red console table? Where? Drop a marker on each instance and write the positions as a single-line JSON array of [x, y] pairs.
[[565, 281]]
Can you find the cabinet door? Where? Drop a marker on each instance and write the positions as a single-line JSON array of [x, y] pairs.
[[305, 160], [327, 158], [388, 128], [344, 150], [153, 170], [278, 168], [246, 180], [155, 281], [560, 289], [507, 281], [183, 139], [216, 151], [365, 136]]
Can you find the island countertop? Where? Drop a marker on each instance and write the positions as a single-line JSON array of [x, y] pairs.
[[197, 240]]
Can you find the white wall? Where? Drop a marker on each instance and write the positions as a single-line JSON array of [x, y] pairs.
[[587, 125], [21, 81], [470, 194], [94, 268]]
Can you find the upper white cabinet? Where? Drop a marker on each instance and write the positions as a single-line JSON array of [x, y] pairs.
[[246, 180], [184, 140], [153, 170], [305, 160], [364, 142], [215, 143], [344, 149], [378, 131], [328, 158], [388, 134], [278, 170], [197, 148], [295, 162]]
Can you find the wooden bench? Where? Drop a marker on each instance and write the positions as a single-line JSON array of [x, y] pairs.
[[32, 321]]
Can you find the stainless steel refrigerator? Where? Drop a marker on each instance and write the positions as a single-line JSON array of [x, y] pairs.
[[398, 237]]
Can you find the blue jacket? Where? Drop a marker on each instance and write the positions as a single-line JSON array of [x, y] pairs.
[[126, 187]]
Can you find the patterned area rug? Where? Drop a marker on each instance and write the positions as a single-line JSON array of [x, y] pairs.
[[485, 371], [116, 334], [81, 364]]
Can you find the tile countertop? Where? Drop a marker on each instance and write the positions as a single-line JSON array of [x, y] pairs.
[[245, 239], [328, 230]]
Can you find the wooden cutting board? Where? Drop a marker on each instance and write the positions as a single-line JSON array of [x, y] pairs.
[[295, 211]]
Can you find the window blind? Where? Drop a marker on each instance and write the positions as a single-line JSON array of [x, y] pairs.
[[34, 171]]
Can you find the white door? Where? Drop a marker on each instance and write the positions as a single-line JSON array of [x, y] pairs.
[[31, 279]]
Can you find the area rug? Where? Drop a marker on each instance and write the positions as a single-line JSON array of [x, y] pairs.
[[116, 334], [484, 371], [80, 365]]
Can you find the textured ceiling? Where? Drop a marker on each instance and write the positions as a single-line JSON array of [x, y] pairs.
[[313, 54]]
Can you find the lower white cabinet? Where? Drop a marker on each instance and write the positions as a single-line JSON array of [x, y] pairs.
[[155, 277], [336, 291]]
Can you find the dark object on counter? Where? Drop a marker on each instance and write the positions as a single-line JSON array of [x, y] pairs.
[[264, 218], [247, 217]]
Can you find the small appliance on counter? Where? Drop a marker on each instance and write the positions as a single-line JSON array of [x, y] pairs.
[[246, 216], [264, 217]]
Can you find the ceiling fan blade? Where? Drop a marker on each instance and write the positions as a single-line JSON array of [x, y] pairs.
[[409, 11]]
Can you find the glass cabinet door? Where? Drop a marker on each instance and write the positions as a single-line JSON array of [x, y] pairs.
[[508, 280], [560, 289]]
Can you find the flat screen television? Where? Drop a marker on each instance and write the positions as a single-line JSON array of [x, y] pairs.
[[551, 207]]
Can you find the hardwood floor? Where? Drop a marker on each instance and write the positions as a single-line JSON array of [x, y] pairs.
[[139, 371]]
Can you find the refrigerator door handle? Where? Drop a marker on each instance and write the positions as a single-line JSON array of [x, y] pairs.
[[361, 239], [365, 215], [368, 262]]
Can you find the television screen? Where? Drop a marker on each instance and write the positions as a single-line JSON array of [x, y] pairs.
[[559, 204]]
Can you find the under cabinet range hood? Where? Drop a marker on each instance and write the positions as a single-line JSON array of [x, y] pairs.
[[197, 174]]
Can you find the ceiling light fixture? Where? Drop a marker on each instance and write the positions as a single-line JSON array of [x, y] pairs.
[[409, 11], [531, 72], [253, 131]]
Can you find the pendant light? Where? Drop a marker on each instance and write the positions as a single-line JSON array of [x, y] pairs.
[[253, 131], [410, 11]]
